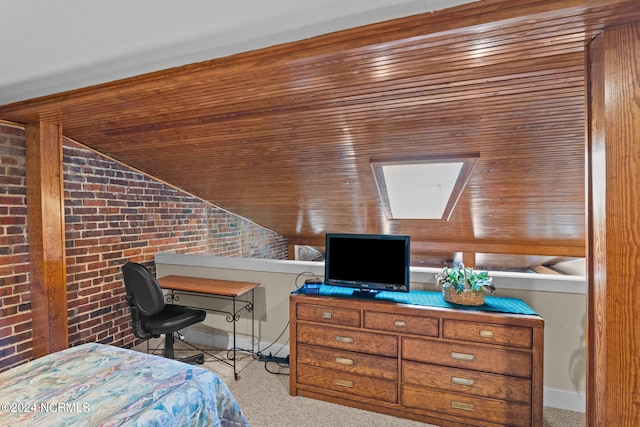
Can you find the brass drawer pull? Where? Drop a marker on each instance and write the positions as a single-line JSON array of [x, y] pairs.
[[463, 406], [399, 323], [462, 381], [344, 383], [326, 315], [486, 334], [344, 340], [344, 361], [462, 356]]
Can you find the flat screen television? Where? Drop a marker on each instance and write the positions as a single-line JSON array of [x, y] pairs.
[[369, 263]]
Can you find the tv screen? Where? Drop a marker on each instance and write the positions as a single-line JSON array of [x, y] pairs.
[[367, 262]]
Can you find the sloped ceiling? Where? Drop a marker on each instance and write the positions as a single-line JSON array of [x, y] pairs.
[[284, 135], [56, 46]]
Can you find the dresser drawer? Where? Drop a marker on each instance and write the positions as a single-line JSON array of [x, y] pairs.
[[329, 315], [401, 323], [349, 361], [492, 410], [347, 339], [513, 336], [441, 366], [349, 383], [466, 356], [469, 382]]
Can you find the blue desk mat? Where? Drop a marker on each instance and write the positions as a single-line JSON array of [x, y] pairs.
[[432, 299]]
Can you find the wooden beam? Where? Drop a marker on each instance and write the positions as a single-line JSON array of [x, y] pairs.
[[484, 247], [45, 216], [596, 235], [613, 380], [469, 259]]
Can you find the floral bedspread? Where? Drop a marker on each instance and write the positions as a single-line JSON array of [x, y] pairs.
[[102, 385]]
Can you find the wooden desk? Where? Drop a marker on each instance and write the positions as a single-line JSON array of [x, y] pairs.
[[220, 289], [206, 286]]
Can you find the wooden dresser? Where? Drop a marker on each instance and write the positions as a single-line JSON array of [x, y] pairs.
[[437, 365]]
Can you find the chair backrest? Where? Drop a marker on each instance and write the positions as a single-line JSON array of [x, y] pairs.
[[143, 291]]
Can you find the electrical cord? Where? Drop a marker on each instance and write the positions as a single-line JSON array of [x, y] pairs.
[[260, 353], [281, 365], [304, 273]]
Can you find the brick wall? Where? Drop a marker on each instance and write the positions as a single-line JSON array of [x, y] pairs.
[[112, 214], [15, 314], [231, 235], [307, 253]]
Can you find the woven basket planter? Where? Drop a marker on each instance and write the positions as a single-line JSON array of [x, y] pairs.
[[465, 297]]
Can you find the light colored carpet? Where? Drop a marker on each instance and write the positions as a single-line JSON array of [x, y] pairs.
[[264, 398]]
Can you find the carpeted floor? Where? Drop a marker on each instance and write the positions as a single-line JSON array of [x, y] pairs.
[[262, 391]]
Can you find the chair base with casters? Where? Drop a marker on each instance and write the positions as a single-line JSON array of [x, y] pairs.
[[166, 324], [150, 316], [169, 352]]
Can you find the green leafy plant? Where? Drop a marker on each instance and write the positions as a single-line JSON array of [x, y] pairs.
[[463, 278]]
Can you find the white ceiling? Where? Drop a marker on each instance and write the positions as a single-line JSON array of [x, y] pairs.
[[52, 46]]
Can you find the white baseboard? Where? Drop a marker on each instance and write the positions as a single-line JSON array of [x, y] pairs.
[[575, 401]]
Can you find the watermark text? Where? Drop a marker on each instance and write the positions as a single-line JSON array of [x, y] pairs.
[[23, 407]]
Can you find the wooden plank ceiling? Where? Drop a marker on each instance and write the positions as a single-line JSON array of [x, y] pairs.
[[284, 135]]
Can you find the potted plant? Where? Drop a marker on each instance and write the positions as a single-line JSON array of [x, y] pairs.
[[464, 285]]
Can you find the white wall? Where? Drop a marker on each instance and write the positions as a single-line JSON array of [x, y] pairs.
[[560, 300]]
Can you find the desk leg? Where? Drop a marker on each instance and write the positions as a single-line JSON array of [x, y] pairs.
[[253, 325], [235, 373]]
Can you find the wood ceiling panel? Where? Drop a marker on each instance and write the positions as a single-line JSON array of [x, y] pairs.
[[284, 136]]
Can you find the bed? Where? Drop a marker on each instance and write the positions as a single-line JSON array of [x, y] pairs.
[[102, 385]]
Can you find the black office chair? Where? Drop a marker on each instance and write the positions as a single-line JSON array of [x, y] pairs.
[[151, 317]]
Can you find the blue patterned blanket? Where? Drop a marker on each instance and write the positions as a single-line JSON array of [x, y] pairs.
[[102, 385]]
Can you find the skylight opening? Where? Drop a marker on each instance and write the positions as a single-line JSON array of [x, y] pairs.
[[425, 188]]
